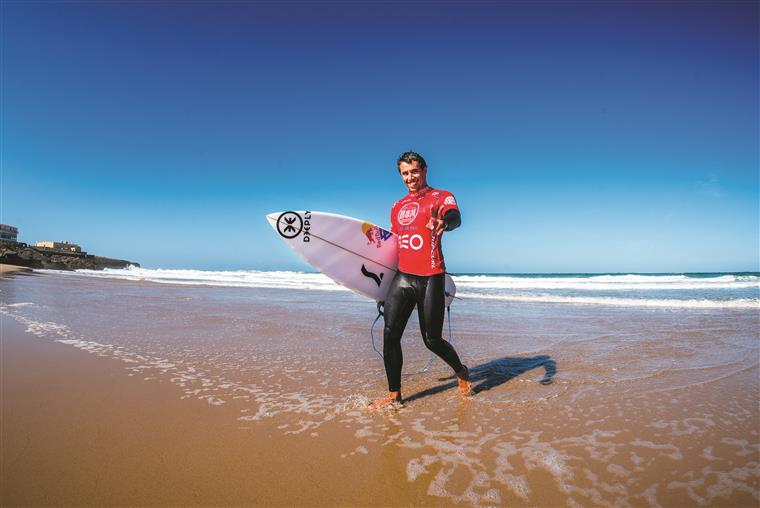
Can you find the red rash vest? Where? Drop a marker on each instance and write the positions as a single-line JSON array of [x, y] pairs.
[[418, 252]]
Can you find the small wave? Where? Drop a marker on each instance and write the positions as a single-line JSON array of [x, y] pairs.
[[743, 303], [609, 282], [735, 290], [236, 278], [306, 280]]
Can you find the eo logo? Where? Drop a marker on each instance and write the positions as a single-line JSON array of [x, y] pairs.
[[413, 241], [289, 225]]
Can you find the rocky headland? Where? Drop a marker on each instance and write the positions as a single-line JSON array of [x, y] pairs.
[[31, 257]]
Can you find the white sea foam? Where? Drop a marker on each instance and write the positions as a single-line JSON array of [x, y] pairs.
[[742, 303], [233, 278], [728, 291], [307, 280], [609, 282]]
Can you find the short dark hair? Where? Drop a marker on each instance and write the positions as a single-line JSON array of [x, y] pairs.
[[410, 157]]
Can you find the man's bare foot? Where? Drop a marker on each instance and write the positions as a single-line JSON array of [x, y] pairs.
[[389, 400], [463, 380]]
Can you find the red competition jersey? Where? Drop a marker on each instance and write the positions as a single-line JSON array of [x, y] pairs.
[[418, 252]]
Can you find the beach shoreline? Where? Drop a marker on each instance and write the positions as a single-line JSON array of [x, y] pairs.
[[5, 268]]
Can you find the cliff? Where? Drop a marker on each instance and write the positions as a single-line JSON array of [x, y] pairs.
[[22, 255]]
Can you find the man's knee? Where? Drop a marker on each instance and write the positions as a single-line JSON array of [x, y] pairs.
[[433, 343], [391, 336]]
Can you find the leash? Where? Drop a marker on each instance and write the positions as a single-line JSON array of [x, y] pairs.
[[372, 328]]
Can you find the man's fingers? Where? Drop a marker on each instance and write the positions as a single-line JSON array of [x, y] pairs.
[[436, 223]]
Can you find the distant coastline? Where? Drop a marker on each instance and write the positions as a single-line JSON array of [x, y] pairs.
[[21, 254]]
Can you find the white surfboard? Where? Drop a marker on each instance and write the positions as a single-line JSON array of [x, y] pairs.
[[356, 254]]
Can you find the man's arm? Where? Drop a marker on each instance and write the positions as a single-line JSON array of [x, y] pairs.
[[453, 219]]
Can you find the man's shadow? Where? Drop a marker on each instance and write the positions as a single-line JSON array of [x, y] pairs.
[[495, 373]]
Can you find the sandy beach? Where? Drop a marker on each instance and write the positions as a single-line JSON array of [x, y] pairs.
[[133, 393], [78, 432], [12, 269]]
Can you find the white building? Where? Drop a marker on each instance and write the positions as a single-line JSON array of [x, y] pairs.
[[64, 245]]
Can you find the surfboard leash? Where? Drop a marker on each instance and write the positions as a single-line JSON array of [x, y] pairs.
[[372, 328], [451, 340]]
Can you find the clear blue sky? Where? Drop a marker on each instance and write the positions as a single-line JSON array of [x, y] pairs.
[[577, 137]]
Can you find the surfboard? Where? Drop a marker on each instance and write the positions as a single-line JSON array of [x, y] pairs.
[[354, 253]]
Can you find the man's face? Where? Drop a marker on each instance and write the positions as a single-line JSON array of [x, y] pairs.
[[413, 176]]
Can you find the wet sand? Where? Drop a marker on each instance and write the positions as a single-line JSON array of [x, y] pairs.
[[128, 393], [12, 269], [78, 432]]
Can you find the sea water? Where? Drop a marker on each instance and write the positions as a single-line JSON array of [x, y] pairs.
[[669, 290]]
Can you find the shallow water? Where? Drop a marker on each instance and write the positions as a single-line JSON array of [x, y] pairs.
[[574, 404]]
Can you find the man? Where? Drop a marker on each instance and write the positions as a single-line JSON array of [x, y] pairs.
[[419, 219]]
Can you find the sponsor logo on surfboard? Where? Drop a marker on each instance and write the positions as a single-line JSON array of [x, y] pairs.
[[375, 234], [408, 213], [372, 276], [306, 226], [291, 224]]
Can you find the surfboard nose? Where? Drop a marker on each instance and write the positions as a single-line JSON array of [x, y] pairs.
[[272, 218]]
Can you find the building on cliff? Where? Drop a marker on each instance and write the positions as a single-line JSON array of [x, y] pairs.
[[8, 233], [61, 246]]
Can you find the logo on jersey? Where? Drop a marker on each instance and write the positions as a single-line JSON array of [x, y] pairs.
[[450, 201], [413, 242], [375, 234], [408, 213]]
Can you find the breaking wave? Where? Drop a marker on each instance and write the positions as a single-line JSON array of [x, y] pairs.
[[694, 291]]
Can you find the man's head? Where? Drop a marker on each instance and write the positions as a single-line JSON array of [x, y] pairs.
[[413, 170]]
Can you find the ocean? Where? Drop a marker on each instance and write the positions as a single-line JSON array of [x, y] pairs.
[[725, 290]]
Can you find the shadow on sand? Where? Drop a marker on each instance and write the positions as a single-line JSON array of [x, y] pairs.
[[494, 373]]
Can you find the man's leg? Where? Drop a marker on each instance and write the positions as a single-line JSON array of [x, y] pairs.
[[430, 308], [399, 304]]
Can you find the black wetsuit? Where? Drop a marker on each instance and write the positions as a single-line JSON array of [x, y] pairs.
[[427, 293]]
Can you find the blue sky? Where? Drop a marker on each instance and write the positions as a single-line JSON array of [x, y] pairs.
[[577, 137]]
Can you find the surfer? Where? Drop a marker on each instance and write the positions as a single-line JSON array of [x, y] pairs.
[[419, 219]]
